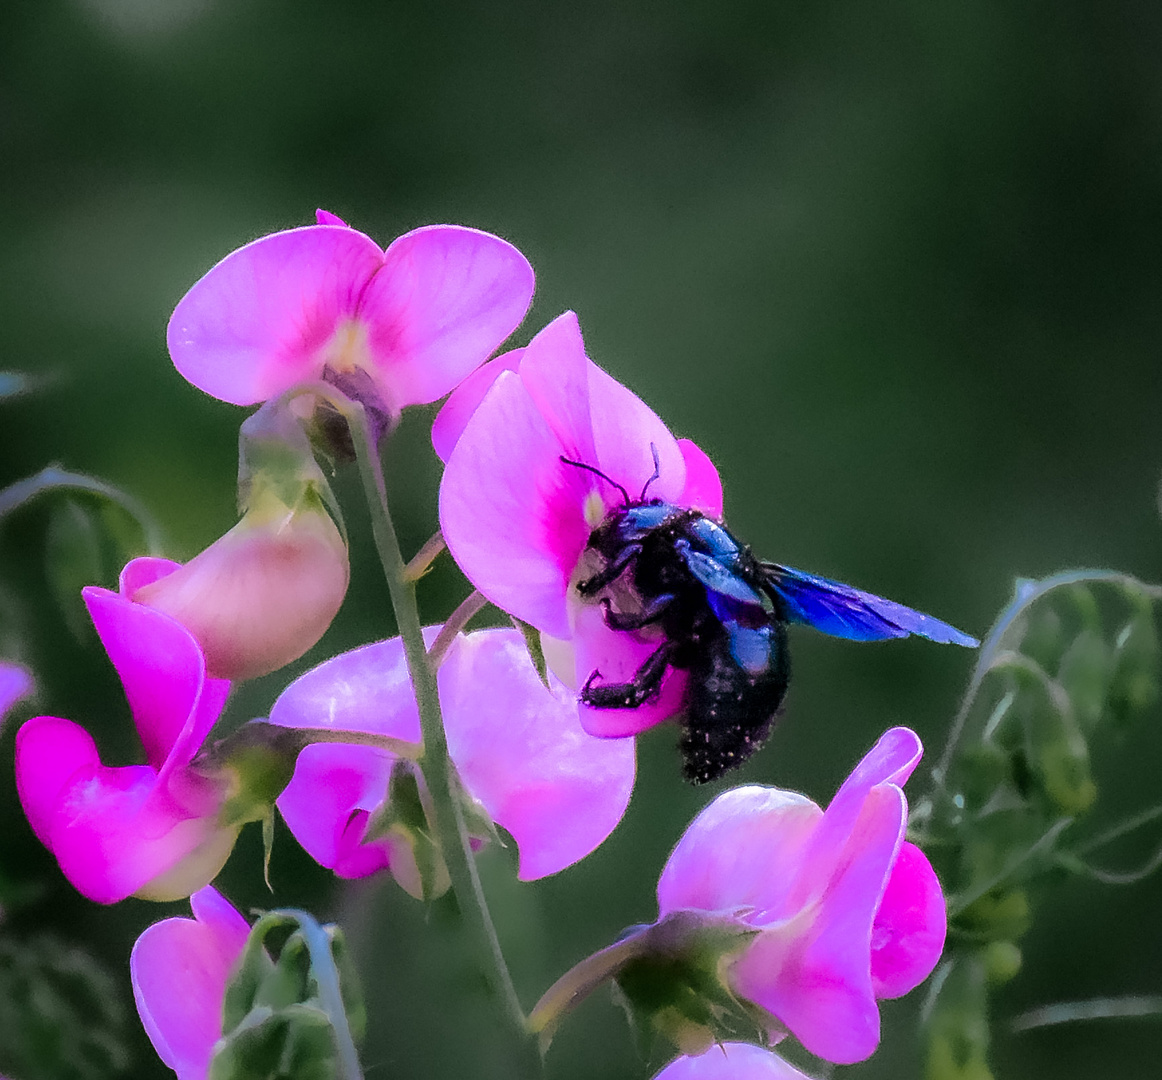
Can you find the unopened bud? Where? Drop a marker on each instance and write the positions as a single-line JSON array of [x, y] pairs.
[[258, 597]]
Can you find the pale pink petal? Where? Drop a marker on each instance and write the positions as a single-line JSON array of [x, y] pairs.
[[335, 788], [511, 512], [703, 485], [815, 975], [445, 299], [180, 969], [464, 400], [366, 689], [742, 851], [520, 750], [260, 321], [161, 667], [617, 654], [15, 683], [732, 1061], [909, 928], [113, 830]]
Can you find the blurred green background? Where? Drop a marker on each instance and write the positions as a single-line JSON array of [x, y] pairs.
[[895, 266]]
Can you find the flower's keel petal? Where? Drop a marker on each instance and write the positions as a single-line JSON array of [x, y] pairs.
[[909, 929]]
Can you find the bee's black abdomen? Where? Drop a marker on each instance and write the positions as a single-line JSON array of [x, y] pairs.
[[730, 711]]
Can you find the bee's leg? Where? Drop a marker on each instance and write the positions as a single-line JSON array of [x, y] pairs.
[[644, 686], [635, 620], [611, 573]]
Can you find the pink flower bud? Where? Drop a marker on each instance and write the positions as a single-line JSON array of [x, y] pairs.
[[258, 597]]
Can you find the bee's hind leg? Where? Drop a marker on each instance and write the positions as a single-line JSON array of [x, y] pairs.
[[644, 686]]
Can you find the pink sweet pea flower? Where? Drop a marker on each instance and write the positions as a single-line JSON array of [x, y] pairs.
[[326, 301], [180, 969], [517, 518], [15, 683], [518, 748], [847, 910], [148, 830], [732, 1061]]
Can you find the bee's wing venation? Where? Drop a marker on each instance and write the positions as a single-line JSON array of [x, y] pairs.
[[717, 577], [844, 611]]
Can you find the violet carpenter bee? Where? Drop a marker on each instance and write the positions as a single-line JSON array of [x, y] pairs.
[[723, 615]]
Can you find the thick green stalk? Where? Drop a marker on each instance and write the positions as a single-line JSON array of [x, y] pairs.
[[449, 826]]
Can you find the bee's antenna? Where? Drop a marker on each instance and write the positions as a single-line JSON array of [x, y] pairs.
[[598, 472], [657, 472]]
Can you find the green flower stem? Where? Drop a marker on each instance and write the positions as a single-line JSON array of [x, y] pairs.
[[1027, 593], [449, 827]]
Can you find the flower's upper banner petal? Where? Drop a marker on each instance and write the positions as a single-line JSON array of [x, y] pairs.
[[732, 1061], [522, 753], [703, 485], [261, 320], [180, 969], [446, 297], [510, 510], [742, 851], [813, 972], [908, 935], [162, 669], [455, 413]]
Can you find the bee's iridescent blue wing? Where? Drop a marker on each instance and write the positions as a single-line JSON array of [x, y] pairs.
[[847, 612]]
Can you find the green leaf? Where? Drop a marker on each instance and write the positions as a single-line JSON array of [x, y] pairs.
[[532, 637]]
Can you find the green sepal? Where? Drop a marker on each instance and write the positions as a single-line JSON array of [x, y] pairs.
[[276, 464], [275, 1020], [257, 761]]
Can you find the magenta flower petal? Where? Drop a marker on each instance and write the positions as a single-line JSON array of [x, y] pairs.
[[15, 683], [325, 217], [161, 667], [519, 750], [845, 911], [511, 512], [114, 831], [815, 975], [523, 754], [180, 969], [732, 1061], [446, 297], [703, 485], [335, 788], [455, 413], [617, 655], [262, 319], [740, 852], [909, 929]]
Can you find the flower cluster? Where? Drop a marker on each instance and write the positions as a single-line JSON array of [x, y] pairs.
[[571, 507]]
